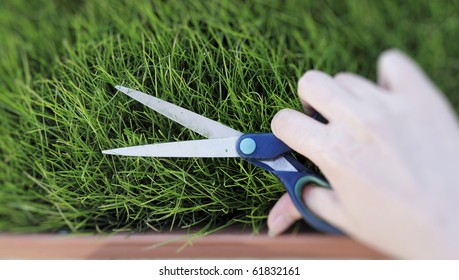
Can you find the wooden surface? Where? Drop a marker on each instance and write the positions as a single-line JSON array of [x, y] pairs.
[[178, 246]]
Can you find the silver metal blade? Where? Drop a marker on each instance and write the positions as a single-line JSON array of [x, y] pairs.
[[279, 164], [219, 147], [200, 124]]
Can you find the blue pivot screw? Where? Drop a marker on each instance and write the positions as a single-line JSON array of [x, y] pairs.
[[247, 146]]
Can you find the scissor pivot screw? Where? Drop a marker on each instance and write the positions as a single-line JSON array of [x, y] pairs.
[[247, 146]]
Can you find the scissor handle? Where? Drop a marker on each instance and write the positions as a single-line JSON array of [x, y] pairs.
[[256, 147], [295, 182]]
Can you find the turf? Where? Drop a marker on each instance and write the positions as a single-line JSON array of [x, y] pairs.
[[234, 61]]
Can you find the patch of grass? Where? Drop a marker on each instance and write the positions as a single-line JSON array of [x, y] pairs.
[[234, 61]]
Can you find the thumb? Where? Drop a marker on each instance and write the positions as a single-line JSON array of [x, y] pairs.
[[322, 202]]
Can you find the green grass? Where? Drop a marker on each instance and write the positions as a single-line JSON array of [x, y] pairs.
[[235, 62]]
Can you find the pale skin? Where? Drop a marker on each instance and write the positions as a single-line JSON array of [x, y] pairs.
[[390, 152]]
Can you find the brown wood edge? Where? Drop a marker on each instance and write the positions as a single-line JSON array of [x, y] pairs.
[[182, 246]]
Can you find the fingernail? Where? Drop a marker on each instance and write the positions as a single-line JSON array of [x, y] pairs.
[[279, 120], [272, 233], [279, 224], [275, 121]]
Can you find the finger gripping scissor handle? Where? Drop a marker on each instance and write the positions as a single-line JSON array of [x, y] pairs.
[[295, 182], [256, 147]]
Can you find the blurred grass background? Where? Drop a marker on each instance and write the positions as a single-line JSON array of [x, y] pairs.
[[234, 61]]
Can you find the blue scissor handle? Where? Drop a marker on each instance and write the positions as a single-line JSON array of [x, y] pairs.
[[255, 147], [295, 182]]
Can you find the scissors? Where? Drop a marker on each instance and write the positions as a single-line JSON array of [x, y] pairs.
[[262, 149]]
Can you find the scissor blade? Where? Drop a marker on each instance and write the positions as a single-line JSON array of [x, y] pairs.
[[200, 124], [280, 164], [218, 147]]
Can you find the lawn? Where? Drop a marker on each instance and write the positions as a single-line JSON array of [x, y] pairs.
[[233, 61]]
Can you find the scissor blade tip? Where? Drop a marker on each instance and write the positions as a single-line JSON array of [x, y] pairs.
[[122, 89], [108, 152]]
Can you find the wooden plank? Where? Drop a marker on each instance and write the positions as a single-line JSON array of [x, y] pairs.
[[174, 246]]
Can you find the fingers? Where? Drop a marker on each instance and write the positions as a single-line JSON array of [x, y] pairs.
[[282, 216], [323, 202], [398, 73], [320, 91], [301, 133], [308, 110], [358, 85]]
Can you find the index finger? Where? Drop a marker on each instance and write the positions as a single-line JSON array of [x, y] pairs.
[[321, 92]]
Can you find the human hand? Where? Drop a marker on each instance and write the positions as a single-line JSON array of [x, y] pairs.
[[390, 152]]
